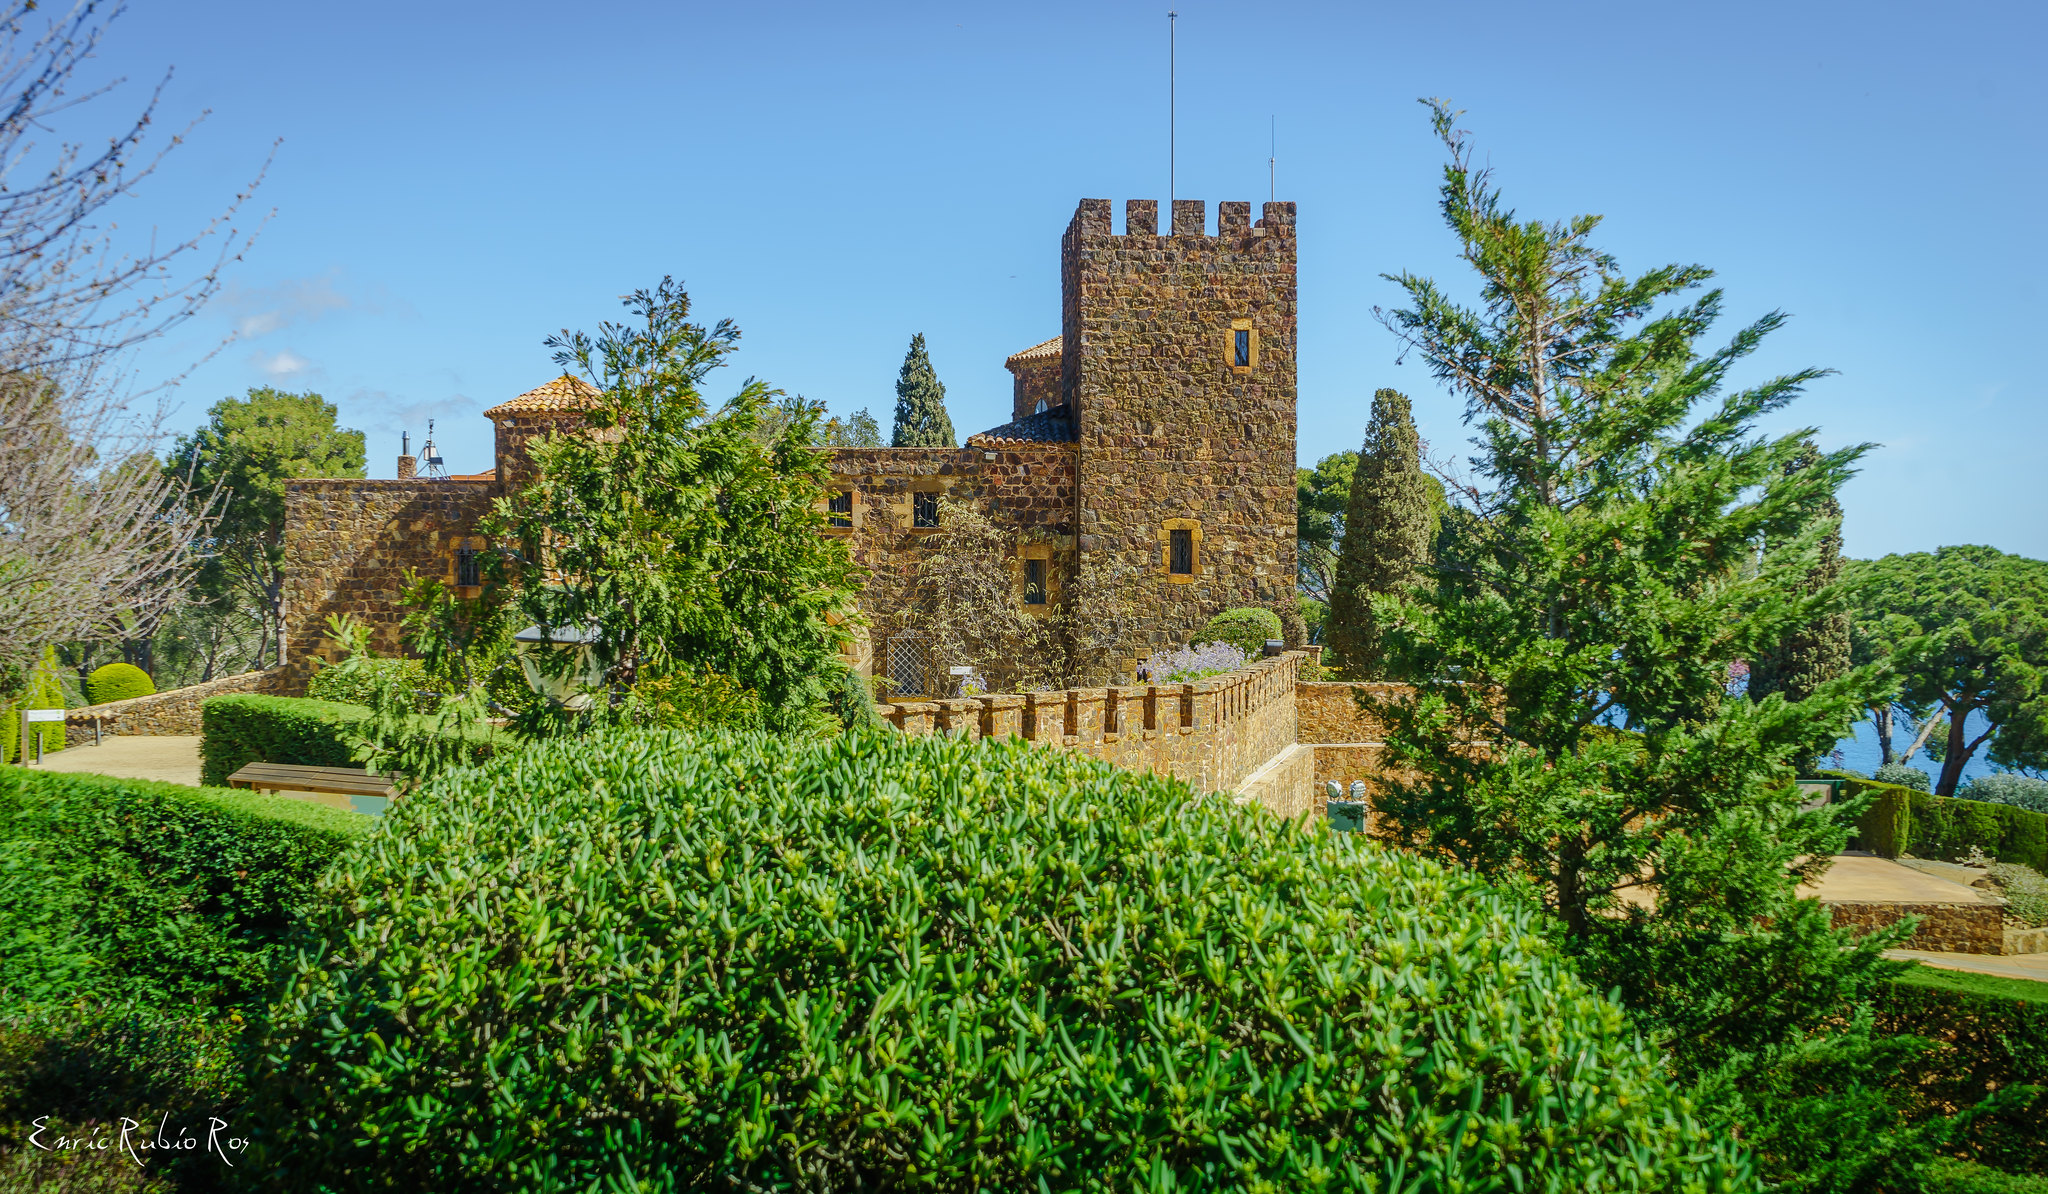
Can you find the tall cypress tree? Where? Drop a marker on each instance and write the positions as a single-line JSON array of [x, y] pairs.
[[921, 420], [1818, 651], [1388, 525]]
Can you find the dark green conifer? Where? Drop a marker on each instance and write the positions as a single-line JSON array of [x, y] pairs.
[[921, 420], [1818, 651], [1388, 524]]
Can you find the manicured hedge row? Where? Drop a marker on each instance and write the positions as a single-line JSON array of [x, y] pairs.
[[1982, 1043], [123, 888], [1903, 821], [242, 729], [885, 962]]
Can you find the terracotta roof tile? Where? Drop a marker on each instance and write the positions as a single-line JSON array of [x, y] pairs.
[[563, 393], [1054, 425], [1047, 350]]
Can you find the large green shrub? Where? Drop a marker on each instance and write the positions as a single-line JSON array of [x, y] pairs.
[[2006, 787], [893, 962], [359, 682], [120, 888], [1903, 775], [117, 682], [1902, 821], [43, 691], [1246, 628]]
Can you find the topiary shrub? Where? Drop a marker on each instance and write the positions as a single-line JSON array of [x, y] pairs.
[[883, 962], [118, 682], [1246, 628], [43, 691], [243, 728], [1903, 775]]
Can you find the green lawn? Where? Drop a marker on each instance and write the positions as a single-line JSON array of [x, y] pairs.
[[1975, 984]]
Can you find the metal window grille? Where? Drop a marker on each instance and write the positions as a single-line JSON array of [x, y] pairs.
[[924, 509], [1034, 582], [841, 508], [467, 571], [1181, 552], [1244, 348], [907, 664]]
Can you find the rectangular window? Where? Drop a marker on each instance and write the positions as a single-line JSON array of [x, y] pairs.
[[467, 571], [924, 509], [1181, 554], [841, 508], [1034, 582], [1243, 355]]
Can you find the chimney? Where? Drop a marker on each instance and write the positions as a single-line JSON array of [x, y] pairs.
[[408, 464]]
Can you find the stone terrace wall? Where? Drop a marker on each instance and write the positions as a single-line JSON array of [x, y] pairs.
[[1954, 928], [1212, 733], [348, 544], [173, 711], [1330, 712]]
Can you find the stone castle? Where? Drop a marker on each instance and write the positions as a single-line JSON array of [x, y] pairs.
[[1156, 429]]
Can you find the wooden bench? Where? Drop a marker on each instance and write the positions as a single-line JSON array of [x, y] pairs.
[[342, 781]]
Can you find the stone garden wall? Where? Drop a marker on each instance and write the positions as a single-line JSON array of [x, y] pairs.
[[173, 711], [1213, 733], [1954, 928]]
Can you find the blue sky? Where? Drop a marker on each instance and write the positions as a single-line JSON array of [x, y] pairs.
[[458, 180]]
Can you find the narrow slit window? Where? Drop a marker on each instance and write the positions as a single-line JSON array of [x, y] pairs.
[[924, 509], [1242, 352], [841, 508], [1034, 582], [467, 571], [1181, 552]]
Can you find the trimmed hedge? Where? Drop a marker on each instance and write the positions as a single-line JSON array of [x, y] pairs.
[[1247, 628], [662, 962], [1903, 821], [1983, 1042], [122, 888], [246, 728], [117, 682], [45, 691], [357, 682]]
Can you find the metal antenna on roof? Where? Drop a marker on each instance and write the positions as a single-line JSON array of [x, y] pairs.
[[1171, 19], [430, 457]]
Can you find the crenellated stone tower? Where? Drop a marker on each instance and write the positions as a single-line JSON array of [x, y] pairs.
[[1178, 365]]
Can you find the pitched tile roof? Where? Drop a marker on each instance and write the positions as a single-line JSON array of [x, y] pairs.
[[563, 393], [1047, 350], [1054, 425]]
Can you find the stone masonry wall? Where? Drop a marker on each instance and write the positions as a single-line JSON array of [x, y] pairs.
[[1953, 928], [1212, 733], [173, 711], [348, 545], [1034, 382], [1028, 488], [1169, 427]]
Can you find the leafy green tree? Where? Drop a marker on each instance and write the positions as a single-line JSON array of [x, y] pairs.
[[1966, 628], [1389, 522], [249, 447], [1320, 496], [1581, 626], [921, 419], [860, 431], [1810, 655], [673, 530]]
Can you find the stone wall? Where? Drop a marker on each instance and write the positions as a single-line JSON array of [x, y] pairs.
[[1951, 928], [173, 711], [1170, 428], [348, 545], [1330, 712], [1212, 733], [1027, 488], [1285, 785], [1033, 382]]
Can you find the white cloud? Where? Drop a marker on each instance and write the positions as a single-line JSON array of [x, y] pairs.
[[261, 310], [281, 365]]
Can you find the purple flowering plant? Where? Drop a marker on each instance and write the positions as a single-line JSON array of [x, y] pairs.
[[1196, 661]]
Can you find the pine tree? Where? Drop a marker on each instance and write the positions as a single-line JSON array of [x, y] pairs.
[[921, 420], [1388, 524], [1810, 655]]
